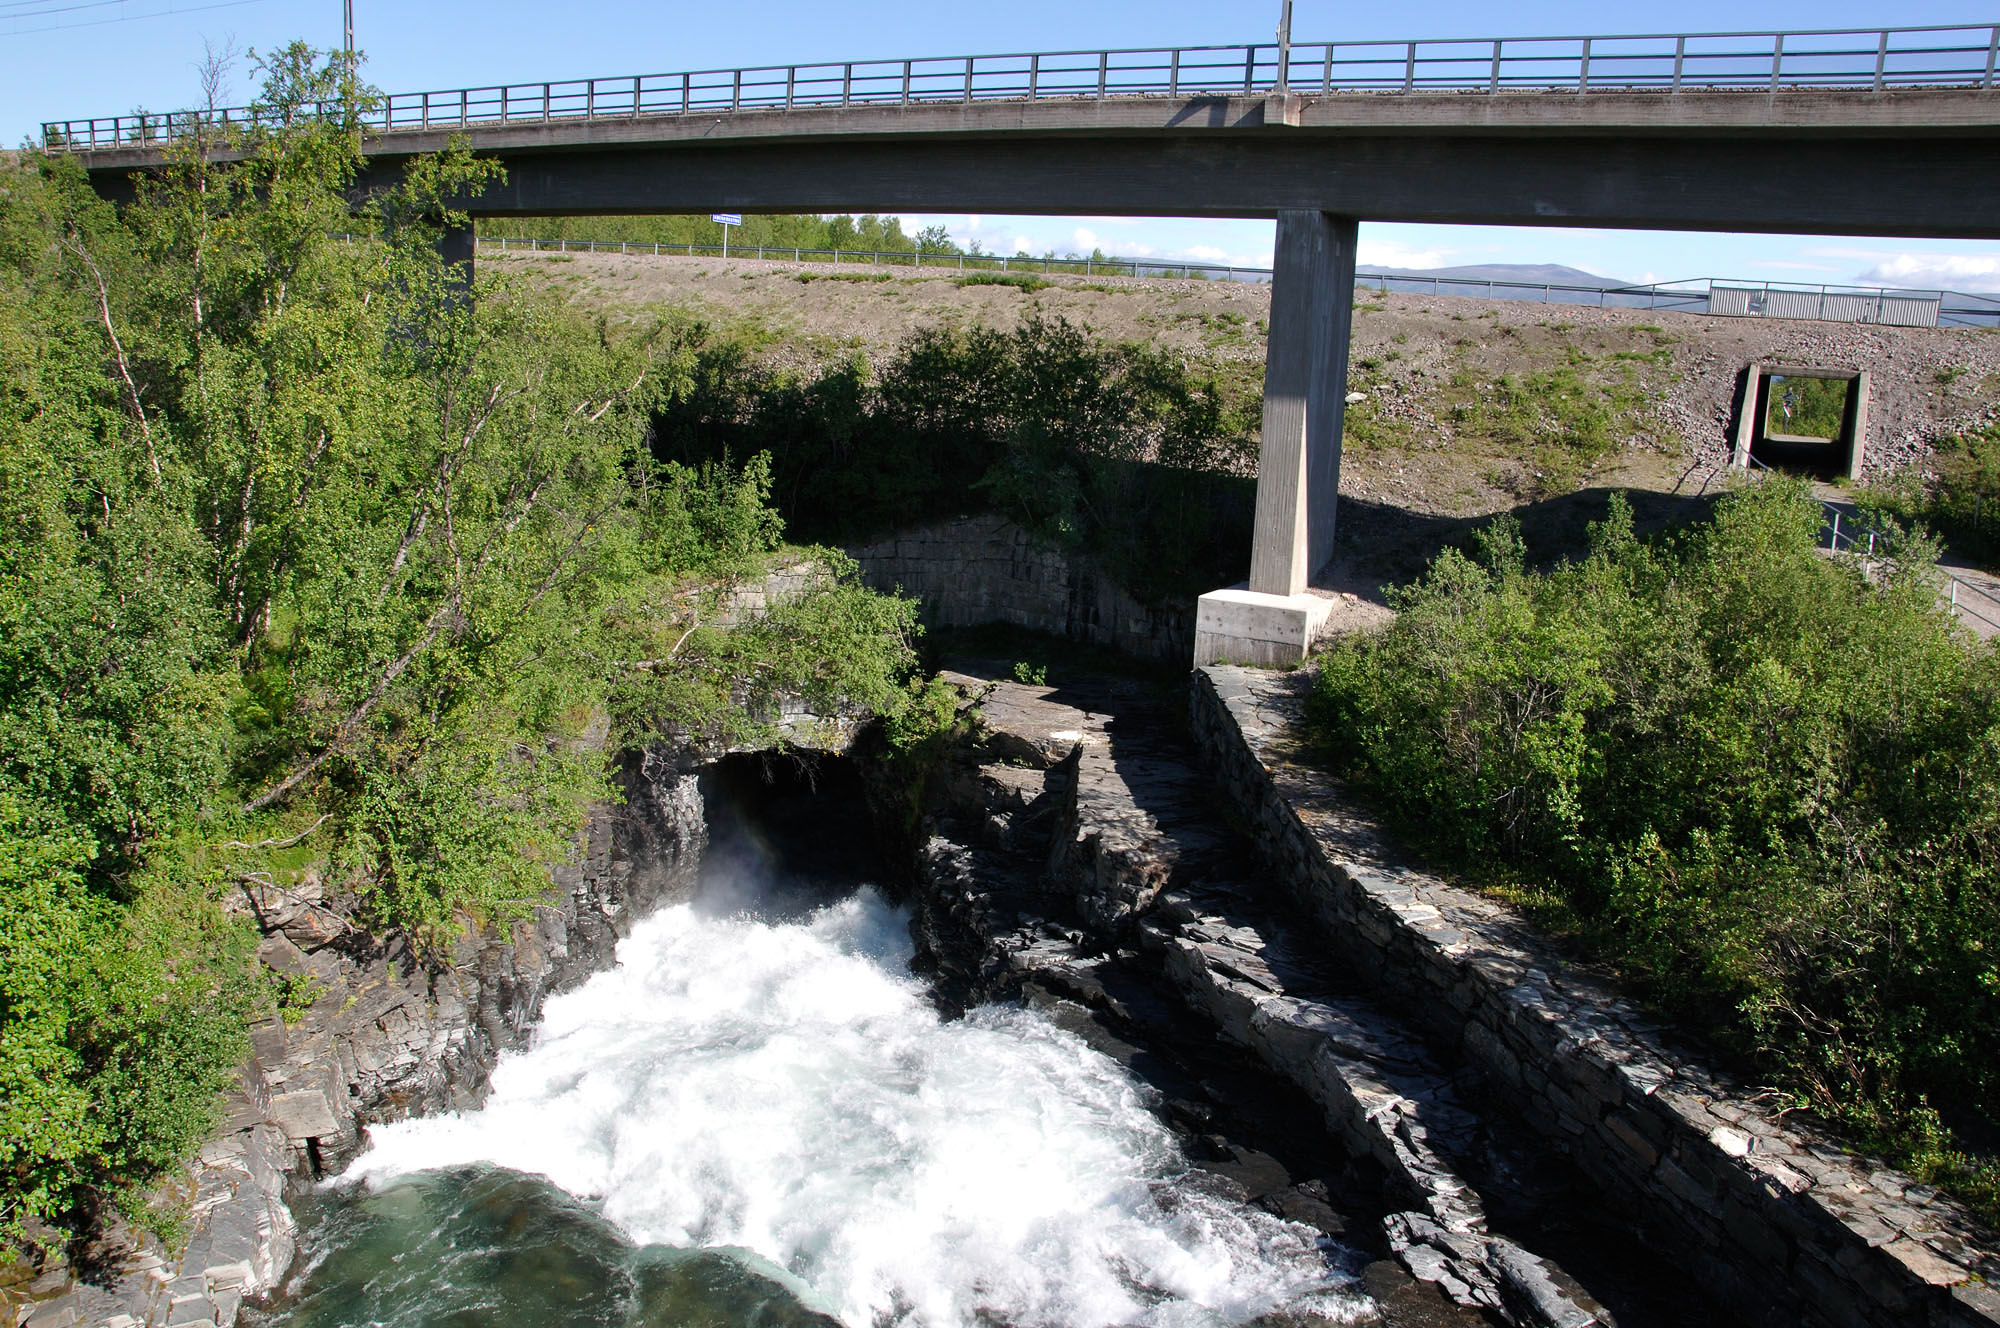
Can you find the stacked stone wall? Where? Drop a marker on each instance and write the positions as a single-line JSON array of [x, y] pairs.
[[1768, 1213], [986, 569]]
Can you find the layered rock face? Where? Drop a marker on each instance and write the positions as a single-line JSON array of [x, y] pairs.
[[986, 569], [389, 1036], [1763, 1210], [1082, 857]]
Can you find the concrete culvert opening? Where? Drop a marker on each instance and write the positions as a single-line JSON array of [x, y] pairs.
[[787, 834], [1804, 419]]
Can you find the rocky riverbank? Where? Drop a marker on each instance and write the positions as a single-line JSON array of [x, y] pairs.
[[390, 1035], [1078, 857], [1762, 1208]]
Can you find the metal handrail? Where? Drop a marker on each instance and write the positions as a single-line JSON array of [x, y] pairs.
[[1865, 60]]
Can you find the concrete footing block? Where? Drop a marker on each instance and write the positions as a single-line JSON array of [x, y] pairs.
[[1243, 626]]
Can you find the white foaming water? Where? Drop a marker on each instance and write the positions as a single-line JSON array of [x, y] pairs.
[[785, 1088]]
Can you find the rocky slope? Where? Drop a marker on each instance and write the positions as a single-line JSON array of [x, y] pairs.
[[390, 1035], [1407, 352], [1077, 858]]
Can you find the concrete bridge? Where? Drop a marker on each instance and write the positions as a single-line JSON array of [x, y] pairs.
[[1891, 132]]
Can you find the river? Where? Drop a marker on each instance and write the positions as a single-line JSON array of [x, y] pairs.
[[760, 1118]]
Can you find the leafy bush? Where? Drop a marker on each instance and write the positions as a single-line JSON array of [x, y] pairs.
[[290, 525], [1959, 500], [1765, 781], [1118, 452], [119, 1027]]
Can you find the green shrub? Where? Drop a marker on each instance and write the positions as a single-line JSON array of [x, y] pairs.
[[1959, 500], [119, 1026], [1021, 282], [1766, 782], [1119, 452]]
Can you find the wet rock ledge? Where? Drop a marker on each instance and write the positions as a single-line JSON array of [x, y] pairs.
[[1080, 860], [1768, 1216]]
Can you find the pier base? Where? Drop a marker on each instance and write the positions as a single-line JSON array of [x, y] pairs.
[[1244, 626]]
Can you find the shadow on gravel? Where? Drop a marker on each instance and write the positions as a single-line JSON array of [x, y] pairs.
[[1378, 544]]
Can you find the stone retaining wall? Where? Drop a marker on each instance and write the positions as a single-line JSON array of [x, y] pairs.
[[1768, 1214], [986, 569]]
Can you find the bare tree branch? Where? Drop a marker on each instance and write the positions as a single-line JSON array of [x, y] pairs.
[[278, 843], [75, 246]]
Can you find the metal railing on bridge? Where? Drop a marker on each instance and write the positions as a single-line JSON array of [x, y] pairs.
[[1856, 60]]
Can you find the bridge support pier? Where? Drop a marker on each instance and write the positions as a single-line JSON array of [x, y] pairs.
[[456, 246], [1273, 619]]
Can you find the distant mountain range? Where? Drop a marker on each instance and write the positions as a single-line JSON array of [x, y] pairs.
[[1554, 274]]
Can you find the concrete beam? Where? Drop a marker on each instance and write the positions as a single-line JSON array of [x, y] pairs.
[[1857, 425], [1543, 161], [1945, 187], [1896, 113], [1305, 390], [1273, 620]]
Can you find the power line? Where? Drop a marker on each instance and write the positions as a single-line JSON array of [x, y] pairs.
[[103, 22]]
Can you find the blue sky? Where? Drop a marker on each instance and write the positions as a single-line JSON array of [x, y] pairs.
[[62, 58]]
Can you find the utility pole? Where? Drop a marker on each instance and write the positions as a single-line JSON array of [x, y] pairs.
[[347, 28], [1284, 48]]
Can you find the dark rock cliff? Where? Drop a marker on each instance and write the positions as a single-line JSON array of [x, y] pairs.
[[389, 1036]]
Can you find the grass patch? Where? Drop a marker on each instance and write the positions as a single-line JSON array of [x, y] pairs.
[[804, 277], [1559, 422], [1019, 282]]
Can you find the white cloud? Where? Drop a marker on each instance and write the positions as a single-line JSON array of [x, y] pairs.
[[1835, 251], [974, 222], [1950, 271], [1388, 253], [1786, 265], [1208, 253], [1086, 239], [1023, 245]]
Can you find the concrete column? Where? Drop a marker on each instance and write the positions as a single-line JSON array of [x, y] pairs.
[[456, 246], [1305, 394], [1273, 620]]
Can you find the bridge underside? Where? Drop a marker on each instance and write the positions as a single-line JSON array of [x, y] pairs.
[[1881, 164], [1942, 187]]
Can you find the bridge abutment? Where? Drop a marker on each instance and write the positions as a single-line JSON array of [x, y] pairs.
[[1274, 618]]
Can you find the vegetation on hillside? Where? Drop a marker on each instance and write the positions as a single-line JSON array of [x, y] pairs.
[[1959, 499], [777, 230], [1764, 781], [1562, 414], [301, 548], [1124, 453], [868, 232]]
